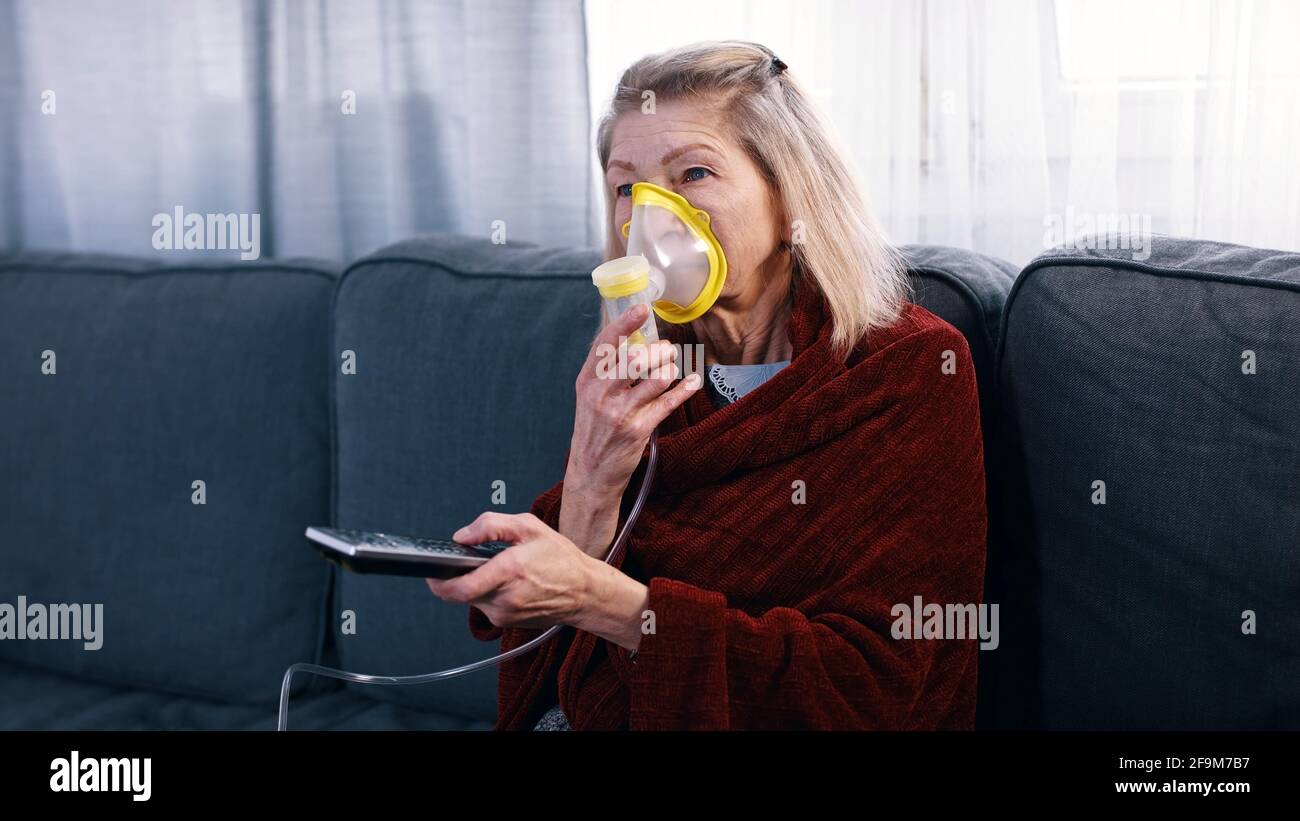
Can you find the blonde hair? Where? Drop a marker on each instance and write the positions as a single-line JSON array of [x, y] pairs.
[[862, 276]]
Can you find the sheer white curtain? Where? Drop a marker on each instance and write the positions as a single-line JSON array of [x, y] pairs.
[[978, 123], [467, 115]]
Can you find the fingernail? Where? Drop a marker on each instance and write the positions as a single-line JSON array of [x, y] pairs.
[[693, 381]]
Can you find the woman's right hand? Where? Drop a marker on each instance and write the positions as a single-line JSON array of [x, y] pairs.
[[615, 414]]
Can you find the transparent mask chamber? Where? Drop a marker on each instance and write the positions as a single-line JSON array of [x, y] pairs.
[[687, 267]]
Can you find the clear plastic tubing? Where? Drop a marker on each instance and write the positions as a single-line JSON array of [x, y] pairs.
[[361, 678]]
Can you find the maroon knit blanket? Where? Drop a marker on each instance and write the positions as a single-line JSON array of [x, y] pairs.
[[771, 613]]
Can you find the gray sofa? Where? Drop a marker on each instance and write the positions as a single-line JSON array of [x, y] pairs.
[[1091, 368]]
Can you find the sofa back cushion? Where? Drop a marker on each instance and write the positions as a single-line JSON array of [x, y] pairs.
[[157, 378], [1153, 408], [461, 401]]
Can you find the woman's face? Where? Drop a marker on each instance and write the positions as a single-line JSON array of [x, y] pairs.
[[686, 148]]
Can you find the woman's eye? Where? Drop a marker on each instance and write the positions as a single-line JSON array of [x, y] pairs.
[[624, 190], [697, 173]]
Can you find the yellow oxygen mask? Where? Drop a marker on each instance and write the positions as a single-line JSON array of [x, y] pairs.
[[686, 262]]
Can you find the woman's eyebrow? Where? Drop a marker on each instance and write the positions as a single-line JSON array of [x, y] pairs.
[[680, 150], [666, 158]]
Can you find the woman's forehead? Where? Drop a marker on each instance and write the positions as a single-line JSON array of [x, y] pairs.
[[650, 140]]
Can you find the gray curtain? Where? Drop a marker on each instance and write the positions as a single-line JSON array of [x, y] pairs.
[[470, 117]]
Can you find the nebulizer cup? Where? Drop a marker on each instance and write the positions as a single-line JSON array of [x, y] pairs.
[[623, 284]]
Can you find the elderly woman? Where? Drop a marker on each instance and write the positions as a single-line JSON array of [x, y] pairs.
[[831, 472]]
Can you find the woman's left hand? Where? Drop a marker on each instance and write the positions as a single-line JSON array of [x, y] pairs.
[[540, 581]]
